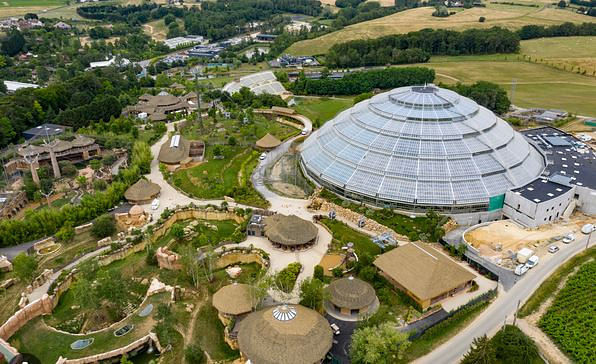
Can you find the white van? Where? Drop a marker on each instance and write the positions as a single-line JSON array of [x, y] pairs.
[[532, 261], [521, 269]]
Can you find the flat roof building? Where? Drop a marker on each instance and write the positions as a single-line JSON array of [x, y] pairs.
[[423, 273]]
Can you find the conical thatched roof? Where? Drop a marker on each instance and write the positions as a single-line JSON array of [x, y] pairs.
[[234, 299], [351, 293], [284, 335], [268, 142], [174, 155], [289, 230], [143, 190]]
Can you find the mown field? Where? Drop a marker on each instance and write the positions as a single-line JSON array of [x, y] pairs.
[[415, 19], [571, 319], [536, 84], [321, 108], [575, 54]]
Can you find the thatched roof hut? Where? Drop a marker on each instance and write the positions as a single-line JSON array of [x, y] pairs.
[[142, 192], [234, 299], [351, 293], [284, 335], [268, 142], [290, 230], [172, 152]]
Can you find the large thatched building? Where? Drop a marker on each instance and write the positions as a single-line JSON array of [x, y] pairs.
[[156, 108], [351, 297], [284, 335], [290, 231], [234, 300], [142, 192], [423, 273]]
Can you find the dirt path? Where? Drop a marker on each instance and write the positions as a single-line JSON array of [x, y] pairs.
[[188, 335]]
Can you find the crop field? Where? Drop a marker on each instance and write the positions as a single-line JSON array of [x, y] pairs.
[[576, 54], [536, 84], [572, 314], [416, 19]]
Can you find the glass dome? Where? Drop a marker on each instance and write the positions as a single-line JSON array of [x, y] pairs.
[[420, 146]]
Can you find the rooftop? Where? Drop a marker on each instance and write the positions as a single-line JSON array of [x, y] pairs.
[[566, 155], [234, 299], [143, 190], [268, 142], [174, 150], [423, 270], [352, 293], [284, 335], [289, 230], [542, 189]]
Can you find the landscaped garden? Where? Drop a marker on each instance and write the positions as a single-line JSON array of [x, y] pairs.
[[572, 313], [343, 234]]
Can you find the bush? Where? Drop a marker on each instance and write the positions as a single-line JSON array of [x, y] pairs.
[[337, 272], [66, 232], [286, 278], [24, 267], [319, 273], [103, 226], [482, 19]]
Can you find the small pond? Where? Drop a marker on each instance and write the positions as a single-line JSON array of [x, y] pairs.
[[146, 310], [81, 344], [124, 330]]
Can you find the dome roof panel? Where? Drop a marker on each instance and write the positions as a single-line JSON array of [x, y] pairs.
[[420, 146]]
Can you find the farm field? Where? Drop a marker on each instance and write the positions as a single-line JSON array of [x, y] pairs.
[[416, 19], [537, 85], [567, 53], [571, 315]]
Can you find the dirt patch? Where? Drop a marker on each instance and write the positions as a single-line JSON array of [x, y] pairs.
[[285, 178], [330, 261]]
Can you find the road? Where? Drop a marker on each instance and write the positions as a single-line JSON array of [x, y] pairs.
[[503, 308]]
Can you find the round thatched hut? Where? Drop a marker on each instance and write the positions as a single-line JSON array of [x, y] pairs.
[[290, 232], [267, 142], [142, 192], [351, 297], [233, 300], [284, 335]]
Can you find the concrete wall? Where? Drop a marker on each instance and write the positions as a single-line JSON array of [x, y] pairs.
[[121, 253], [533, 214], [586, 200]]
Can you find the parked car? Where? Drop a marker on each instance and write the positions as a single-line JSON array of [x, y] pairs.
[[553, 249], [569, 238], [588, 228], [533, 261], [521, 269], [155, 204], [263, 156], [304, 131], [335, 329]]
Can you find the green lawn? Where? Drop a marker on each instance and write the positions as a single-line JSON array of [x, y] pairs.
[[321, 108], [35, 338], [343, 234], [23, 3], [217, 178], [209, 334]]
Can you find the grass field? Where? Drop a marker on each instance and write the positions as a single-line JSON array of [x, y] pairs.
[[536, 85], [321, 108], [415, 19], [568, 53]]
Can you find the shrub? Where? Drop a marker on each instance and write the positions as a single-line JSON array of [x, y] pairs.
[[66, 232], [24, 266], [482, 19], [286, 278], [319, 273], [103, 226], [337, 272]]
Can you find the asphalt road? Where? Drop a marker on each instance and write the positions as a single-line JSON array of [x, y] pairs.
[[504, 307]]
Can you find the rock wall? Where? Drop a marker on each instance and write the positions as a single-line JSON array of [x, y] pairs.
[[149, 338], [167, 259], [122, 253], [82, 228], [238, 257], [42, 306]]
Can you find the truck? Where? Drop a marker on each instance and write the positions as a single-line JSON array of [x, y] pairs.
[[524, 254]]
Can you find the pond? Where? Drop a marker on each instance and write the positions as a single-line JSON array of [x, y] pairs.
[[124, 330], [81, 344], [146, 310]]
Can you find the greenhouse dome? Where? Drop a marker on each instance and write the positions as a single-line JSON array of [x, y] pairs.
[[418, 148]]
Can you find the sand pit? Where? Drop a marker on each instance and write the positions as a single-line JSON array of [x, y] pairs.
[[330, 261]]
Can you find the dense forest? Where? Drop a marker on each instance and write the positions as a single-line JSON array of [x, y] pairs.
[[487, 94], [562, 30], [389, 49], [360, 82]]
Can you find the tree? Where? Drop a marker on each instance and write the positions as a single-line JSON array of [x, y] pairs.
[[124, 360], [190, 264], [482, 19], [481, 352], [13, 43], [217, 151], [142, 156], [194, 354], [103, 226], [232, 141], [319, 273], [381, 344], [95, 164], [66, 232], [313, 293], [562, 4], [82, 181], [7, 133], [177, 231], [24, 266], [85, 294]]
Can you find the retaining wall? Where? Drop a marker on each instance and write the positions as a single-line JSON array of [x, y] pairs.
[[181, 215], [41, 306]]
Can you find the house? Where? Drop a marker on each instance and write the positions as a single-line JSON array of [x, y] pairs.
[[424, 273], [62, 25], [12, 86]]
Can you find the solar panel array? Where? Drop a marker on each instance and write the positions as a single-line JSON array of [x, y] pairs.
[[259, 83], [421, 146]]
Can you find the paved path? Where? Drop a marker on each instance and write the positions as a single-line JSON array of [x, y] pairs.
[[503, 308], [43, 289]]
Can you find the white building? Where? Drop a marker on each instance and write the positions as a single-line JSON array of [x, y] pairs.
[[12, 86], [110, 62]]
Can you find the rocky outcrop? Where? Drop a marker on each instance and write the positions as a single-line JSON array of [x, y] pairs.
[[167, 259], [42, 306]]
